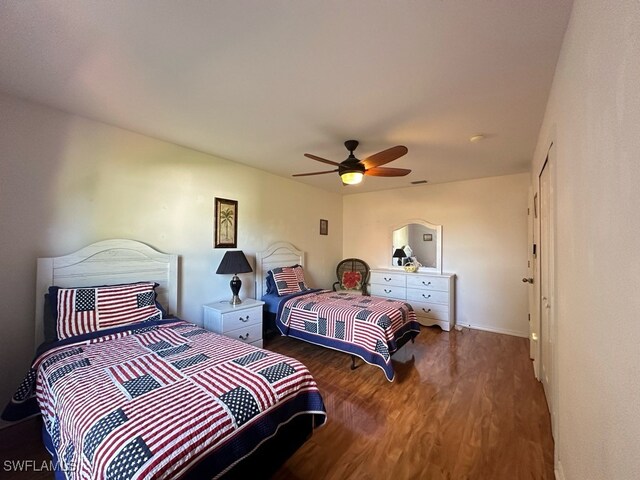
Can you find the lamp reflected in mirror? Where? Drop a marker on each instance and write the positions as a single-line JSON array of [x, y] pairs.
[[399, 254], [421, 241]]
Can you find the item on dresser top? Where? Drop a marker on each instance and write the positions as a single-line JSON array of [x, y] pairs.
[[399, 254], [410, 267], [365, 327], [98, 390], [431, 295]]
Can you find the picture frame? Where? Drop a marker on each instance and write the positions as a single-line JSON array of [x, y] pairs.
[[225, 233], [324, 227], [427, 237]]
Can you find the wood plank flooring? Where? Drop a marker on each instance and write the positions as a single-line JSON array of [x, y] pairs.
[[464, 405]]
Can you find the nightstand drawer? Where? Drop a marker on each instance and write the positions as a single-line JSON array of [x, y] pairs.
[[241, 319], [248, 334]]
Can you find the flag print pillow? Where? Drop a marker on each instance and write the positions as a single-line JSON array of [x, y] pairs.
[[88, 309], [351, 280], [289, 279]]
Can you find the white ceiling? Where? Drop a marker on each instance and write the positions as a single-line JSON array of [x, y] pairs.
[[263, 82]]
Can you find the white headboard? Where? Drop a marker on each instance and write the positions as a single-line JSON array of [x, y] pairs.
[[281, 254], [108, 262]]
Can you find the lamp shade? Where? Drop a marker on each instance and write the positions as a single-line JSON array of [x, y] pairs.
[[234, 262]]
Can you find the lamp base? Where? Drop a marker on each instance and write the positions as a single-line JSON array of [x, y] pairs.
[[235, 284]]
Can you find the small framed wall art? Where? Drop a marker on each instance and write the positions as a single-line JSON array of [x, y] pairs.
[[324, 227], [427, 237], [226, 223]]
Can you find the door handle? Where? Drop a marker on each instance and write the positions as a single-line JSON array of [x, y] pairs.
[[527, 280]]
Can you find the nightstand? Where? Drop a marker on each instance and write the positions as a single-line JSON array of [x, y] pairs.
[[242, 322]]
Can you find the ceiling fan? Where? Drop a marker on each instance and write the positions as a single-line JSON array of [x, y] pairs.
[[352, 170]]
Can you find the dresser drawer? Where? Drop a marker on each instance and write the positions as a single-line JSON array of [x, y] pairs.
[[248, 334], [431, 283], [429, 296], [241, 319], [388, 291], [388, 278], [431, 310]]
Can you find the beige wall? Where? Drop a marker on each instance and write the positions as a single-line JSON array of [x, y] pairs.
[[593, 119], [67, 181], [484, 225]]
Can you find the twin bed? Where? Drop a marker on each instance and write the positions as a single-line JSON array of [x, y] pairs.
[[127, 390], [370, 328], [157, 396]]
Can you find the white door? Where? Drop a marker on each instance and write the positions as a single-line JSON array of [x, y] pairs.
[[546, 337], [532, 272]]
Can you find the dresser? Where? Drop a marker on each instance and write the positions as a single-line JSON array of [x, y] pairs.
[[242, 322], [431, 295]]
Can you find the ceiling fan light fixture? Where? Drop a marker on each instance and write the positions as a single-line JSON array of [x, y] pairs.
[[351, 177], [352, 170]]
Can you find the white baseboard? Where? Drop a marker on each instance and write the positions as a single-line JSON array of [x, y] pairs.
[[558, 471], [504, 331]]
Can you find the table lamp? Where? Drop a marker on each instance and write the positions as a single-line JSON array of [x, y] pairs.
[[234, 262]]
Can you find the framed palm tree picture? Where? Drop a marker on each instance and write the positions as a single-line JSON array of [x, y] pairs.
[[226, 223]]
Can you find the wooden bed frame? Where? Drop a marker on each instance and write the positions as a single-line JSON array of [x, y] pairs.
[[108, 262]]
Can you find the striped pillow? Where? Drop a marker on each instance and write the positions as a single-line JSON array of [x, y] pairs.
[[85, 310], [289, 279]]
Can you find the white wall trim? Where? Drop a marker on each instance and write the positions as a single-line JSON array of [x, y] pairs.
[[504, 331], [558, 471]]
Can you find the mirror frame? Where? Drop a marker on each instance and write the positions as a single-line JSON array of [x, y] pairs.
[[438, 228]]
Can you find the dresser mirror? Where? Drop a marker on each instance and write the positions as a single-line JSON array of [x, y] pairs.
[[417, 240]]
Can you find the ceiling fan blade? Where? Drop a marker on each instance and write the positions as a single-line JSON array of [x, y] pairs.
[[387, 172], [320, 159], [313, 173], [385, 156]]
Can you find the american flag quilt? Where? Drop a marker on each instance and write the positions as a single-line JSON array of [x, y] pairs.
[[372, 328], [151, 400]]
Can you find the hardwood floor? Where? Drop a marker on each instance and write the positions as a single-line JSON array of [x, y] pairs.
[[464, 405]]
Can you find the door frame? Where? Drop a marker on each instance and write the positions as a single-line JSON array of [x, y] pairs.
[[549, 162]]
